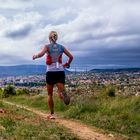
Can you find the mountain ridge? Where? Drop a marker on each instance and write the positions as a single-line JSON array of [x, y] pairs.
[[25, 70], [116, 70]]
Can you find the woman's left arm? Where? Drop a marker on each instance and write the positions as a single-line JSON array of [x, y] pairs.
[[69, 55]]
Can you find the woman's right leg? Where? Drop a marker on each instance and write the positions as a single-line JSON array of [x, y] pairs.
[[50, 98]]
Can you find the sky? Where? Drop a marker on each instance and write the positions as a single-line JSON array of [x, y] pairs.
[[98, 33]]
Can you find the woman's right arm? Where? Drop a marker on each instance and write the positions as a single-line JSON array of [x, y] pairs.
[[45, 49]]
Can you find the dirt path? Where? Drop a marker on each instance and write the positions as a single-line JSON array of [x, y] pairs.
[[81, 130]]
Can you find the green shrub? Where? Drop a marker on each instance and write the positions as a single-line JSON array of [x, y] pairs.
[[22, 91], [110, 91], [9, 90], [1, 93], [107, 91], [0, 89]]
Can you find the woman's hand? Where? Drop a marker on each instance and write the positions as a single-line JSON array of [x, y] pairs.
[[66, 65], [34, 57]]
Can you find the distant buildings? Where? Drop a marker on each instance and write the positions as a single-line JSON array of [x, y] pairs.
[[127, 83]]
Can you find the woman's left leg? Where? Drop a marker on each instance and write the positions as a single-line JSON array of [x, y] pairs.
[[60, 87], [62, 93]]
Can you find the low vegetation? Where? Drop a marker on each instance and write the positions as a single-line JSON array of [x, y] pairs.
[[10, 90], [23, 125], [102, 108]]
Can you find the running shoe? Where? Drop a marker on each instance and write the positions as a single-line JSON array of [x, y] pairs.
[[50, 116], [66, 98]]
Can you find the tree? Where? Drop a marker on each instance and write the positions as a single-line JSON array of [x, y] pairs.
[[9, 90]]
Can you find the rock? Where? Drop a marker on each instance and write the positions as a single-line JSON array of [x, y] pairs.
[[111, 135], [2, 128], [2, 111]]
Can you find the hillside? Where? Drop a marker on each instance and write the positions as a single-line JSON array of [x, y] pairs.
[[116, 70], [21, 70]]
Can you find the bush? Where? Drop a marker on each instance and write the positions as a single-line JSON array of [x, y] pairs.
[[9, 90], [1, 93], [0, 89], [22, 91], [110, 91]]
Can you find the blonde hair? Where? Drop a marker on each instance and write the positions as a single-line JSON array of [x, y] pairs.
[[53, 36]]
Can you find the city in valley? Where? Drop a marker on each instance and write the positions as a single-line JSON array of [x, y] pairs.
[[126, 82]]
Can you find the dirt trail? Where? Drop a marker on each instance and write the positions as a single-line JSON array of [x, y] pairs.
[[81, 130]]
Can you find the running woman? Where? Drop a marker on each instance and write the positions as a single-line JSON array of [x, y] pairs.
[[55, 74]]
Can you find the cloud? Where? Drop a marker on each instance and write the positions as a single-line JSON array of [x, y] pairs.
[[19, 25], [19, 33], [16, 4], [15, 60], [102, 32]]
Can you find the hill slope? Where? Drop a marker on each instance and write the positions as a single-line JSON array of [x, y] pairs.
[[21, 70]]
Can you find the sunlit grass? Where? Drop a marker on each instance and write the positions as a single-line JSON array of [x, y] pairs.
[[121, 115], [115, 114], [20, 124]]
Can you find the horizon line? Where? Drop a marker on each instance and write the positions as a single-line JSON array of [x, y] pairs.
[[76, 68]]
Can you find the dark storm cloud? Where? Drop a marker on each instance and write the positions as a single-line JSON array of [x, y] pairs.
[[122, 32], [7, 59], [121, 56], [19, 33]]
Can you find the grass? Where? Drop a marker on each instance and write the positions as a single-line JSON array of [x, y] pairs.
[[38, 102], [118, 114], [20, 125], [121, 115]]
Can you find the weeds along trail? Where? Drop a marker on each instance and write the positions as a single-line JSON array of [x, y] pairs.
[[81, 130]]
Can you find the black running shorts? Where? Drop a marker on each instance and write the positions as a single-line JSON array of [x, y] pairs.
[[55, 77]]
